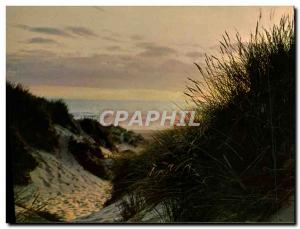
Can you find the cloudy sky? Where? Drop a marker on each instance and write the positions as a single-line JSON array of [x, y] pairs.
[[119, 53]]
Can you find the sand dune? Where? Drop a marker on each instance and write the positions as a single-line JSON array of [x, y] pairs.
[[61, 186]]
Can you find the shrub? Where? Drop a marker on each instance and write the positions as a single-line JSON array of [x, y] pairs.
[[121, 135], [27, 115], [60, 115], [89, 156], [99, 133]]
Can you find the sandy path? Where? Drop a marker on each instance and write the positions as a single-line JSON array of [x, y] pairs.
[[62, 186]]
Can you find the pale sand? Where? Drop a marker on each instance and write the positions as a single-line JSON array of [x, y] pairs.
[[61, 186]]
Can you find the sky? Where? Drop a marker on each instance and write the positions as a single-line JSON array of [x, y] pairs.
[[120, 53]]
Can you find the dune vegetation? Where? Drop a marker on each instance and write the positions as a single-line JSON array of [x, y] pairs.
[[30, 121], [51, 153], [238, 165], [31, 125]]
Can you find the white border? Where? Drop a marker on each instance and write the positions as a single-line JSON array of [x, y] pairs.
[[149, 3], [5, 3]]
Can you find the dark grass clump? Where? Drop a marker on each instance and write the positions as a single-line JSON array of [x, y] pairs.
[[33, 212], [23, 161], [59, 114], [121, 135], [28, 126], [29, 116], [131, 208], [109, 136], [89, 156], [31, 124], [238, 165], [38, 216], [101, 135]]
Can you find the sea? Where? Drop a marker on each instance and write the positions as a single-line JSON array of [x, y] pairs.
[[80, 108]]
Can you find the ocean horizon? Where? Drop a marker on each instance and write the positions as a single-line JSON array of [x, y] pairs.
[[82, 108]]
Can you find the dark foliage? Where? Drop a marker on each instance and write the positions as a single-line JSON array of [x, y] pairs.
[[121, 135], [23, 161], [109, 136], [48, 216], [238, 165], [99, 133], [89, 156], [59, 114], [30, 123], [28, 115]]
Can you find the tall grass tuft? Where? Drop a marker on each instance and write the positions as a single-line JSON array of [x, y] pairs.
[[238, 165]]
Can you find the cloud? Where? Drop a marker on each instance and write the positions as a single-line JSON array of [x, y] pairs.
[[109, 38], [44, 30], [234, 46], [190, 45], [31, 53], [81, 31], [136, 37], [110, 32], [113, 48], [153, 50], [195, 54], [69, 31], [100, 71], [40, 40], [76, 92]]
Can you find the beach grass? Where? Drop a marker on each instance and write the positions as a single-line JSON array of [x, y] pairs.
[[238, 165]]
